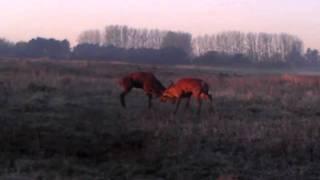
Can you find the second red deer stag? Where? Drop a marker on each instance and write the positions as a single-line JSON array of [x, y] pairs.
[[142, 80], [185, 88]]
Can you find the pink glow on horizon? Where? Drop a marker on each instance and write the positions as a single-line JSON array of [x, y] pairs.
[[22, 20]]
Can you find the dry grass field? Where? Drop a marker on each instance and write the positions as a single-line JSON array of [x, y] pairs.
[[63, 120]]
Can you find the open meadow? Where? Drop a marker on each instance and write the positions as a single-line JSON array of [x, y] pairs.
[[63, 120]]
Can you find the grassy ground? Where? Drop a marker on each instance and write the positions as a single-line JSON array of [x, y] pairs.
[[63, 120]]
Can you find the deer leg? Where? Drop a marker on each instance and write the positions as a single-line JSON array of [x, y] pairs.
[[187, 106], [177, 105], [122, 97], [199, 103], [147, 88]]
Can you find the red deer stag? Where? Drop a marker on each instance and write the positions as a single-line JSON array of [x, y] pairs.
[[142, 80], [185, 88]]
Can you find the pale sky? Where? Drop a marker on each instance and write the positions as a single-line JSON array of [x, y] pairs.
[[25, 19]]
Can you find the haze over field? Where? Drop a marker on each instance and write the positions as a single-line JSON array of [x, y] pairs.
[[23, 20]]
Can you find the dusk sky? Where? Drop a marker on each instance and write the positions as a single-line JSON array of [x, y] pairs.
[[25, 19]]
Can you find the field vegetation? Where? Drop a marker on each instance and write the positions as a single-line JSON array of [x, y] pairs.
[[63, 120]]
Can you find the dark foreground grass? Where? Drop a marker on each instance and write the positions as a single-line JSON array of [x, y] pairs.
[[63, 120]]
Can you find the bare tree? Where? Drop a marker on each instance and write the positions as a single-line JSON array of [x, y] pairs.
[[256, 46], [179, 40], [128, 37], [112, 36], [90, 37]]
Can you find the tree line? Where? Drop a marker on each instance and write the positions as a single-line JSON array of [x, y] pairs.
[[36, 48], [137, 38], [257, 46], [117, 42], [225, 47]]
